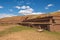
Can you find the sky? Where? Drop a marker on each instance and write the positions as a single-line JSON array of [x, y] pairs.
[[9, 8]]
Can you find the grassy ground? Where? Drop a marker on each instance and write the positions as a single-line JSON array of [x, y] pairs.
[[27, 33], [14, 29]]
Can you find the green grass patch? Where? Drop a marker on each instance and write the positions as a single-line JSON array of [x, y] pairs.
[[14, 29], [53, 33]]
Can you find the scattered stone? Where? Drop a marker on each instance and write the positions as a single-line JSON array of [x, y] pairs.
[[40, 30]]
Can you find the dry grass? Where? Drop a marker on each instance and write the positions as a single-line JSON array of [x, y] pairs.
[[30, 35], [25, 33]]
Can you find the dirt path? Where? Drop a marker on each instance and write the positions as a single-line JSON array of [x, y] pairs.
[[29, 35]]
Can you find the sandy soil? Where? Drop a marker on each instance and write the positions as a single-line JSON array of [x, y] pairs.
[[29, 35]]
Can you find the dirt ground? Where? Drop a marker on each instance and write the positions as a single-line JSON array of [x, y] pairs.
[[29, 35], [6, 27]]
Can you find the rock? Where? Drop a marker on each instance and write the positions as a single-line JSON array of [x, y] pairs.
[[40, 30]]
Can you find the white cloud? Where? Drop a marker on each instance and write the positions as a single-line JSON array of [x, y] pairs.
[[28, 11], [49, 5], [36, 13], [25, 7], [1, 6], [22, 7], [18, 7], [6, 15], [58, 10]]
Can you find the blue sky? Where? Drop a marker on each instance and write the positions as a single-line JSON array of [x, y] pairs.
[[10, 8]]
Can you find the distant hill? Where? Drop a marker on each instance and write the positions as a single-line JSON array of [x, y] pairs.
[[17, 19], [14, 19]]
